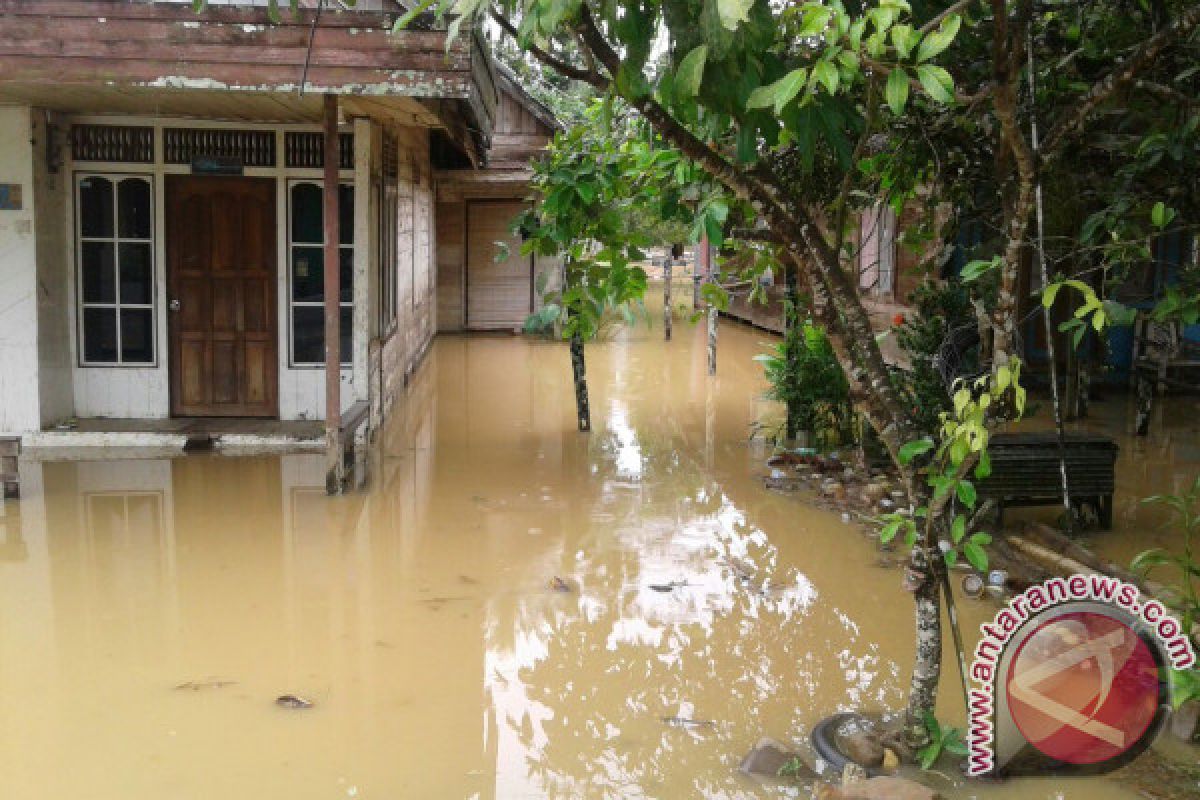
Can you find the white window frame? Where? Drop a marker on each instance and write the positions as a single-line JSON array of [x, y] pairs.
[[115, 240], [291, 249]]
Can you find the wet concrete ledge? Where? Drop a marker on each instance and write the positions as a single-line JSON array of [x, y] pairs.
[[96, 439]]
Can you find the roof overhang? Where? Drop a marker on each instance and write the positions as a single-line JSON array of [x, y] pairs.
[[49, 46]]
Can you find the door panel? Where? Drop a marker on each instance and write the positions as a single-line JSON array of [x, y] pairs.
[[221, 270], [499, 294]]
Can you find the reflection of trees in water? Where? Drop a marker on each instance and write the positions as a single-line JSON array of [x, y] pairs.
[[583, 682]]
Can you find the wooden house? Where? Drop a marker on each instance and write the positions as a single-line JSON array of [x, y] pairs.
[[482, 286], [190, 204]]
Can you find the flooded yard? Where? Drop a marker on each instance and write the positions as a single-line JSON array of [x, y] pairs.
[[153, 610]]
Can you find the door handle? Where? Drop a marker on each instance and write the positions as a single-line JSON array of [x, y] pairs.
[[173, 305]]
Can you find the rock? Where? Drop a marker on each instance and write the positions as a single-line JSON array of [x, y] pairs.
[[882, 788], [846, 517], [292, 701], [891, 761], [1185, 721], [857, 740], [874, 492], [899, 495], [766, 759], [895, 741], [886, 505], [848, 472]]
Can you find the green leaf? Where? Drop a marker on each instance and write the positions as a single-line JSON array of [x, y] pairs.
[[937, 83], [1158, 214], [984, 467], [958, 529], [981, 538], [779, 93], [966, 493], [951, 557], [976, 555], [896, 90], [733, 12], [903, 39], [913, 449], [690, 72], [414, 12], [976, 269], [198, 5], [1050, 292], [1149, 559], [827, 74], [890, 530], [939, 40]]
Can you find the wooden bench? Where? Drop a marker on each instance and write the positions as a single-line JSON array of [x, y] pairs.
[[1026, 472]]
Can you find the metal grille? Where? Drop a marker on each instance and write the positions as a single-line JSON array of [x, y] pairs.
[[254, 148], [112, 143], [307, 150]]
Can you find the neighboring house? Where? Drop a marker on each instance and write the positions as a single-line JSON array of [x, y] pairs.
[[161, 195], [475, 209]]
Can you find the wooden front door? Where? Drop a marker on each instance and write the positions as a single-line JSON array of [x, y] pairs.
[[221, 250]]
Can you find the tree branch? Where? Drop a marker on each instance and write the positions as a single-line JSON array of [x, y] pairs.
[[954, 9], [1121, 75], [589, 77]]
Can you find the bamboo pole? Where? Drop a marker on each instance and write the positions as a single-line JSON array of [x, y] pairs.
[[335, 465], [667, 297]]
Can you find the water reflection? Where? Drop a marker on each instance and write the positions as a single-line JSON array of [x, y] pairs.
[[420, 616]]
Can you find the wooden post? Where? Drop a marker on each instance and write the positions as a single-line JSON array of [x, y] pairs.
[[335, 465], [667, 297], [706, 255]]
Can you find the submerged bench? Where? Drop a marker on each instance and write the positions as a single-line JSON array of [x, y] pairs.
[[1025, 471]]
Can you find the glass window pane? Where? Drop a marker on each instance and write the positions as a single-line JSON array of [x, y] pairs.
[[100, 335], [308, 274], [308, 335], [134, 208], [99, 272], [136, 272], [346, 333], [96, 207], [346, 273], [346, 214], [306, 213], [137, 335]]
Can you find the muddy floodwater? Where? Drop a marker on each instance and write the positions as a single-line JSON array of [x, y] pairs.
[[151, 611]]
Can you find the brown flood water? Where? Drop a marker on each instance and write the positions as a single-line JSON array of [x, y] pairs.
[[418, 616]]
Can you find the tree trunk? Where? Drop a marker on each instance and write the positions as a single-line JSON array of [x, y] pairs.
[[712, 340], [579, 370], [667, 299], [791, 319], [927, 666]]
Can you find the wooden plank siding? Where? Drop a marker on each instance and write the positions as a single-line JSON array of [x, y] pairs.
[[164, 45]]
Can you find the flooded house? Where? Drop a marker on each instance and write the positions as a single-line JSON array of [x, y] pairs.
[[192, 205]]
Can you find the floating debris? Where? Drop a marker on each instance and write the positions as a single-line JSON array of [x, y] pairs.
[[972, 585], [211, 683], [557, 584], [668, 587], [685, 722], [292, 701]]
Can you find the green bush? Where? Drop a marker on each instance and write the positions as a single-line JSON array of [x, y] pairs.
[[805, 376], [940, 307]]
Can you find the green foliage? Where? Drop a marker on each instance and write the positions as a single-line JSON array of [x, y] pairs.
[[594, 179], [1185, 685], [805, 376], [543, 321], [938, 309], [941, 739], [1184, 510]]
